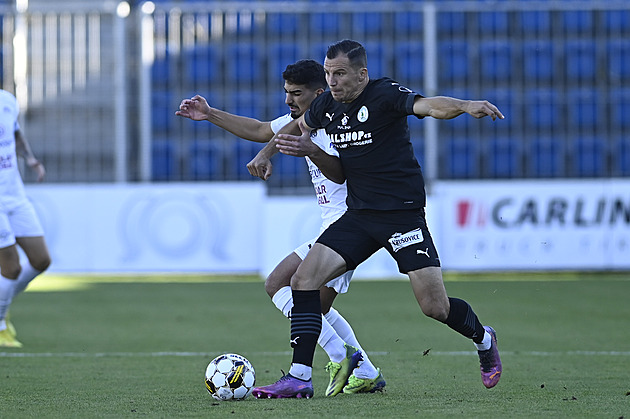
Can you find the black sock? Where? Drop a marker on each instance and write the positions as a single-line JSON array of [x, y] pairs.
[[306, 325], [463, 319]]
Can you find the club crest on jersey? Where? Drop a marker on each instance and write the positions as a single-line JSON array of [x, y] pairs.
[[363, 114], [400, 240]]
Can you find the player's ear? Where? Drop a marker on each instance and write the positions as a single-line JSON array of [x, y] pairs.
[[363, 74], [319, 91]]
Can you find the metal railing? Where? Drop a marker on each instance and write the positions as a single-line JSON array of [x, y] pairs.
[[99, 83]]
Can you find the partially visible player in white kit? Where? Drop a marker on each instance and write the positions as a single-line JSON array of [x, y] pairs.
[[304, 81], [19, 225]]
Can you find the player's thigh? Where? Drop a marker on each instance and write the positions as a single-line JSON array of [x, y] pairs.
[[282, 273], [428, 288], [320, 265], [36, 251]]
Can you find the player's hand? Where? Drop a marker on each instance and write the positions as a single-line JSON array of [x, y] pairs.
[[482, 108], [195, 108], [39, 169], [260, 166], [299, 146]]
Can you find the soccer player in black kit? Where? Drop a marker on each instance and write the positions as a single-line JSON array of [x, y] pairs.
[[367, 122]]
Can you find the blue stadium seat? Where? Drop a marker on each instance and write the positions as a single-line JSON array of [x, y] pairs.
[[504, 157], [582, 109], [461, 157], [581, 60], [367, 23], [617, 22], [621, 156], [453, 60], [620, 109], [496, 64], [280, 55], [543, 108], [376, 59], [619, 61], [545, 157], [282, 23], [205, 160], [160, 71], [202, 64], [324, 23], [577, 21], [589, 157], [248, 103], [244, 63], [509, 102], [408, 23], [409, 65], [538, 61], [535, 22], [451, 23], [491, 22], [163, 107], [164, 160]]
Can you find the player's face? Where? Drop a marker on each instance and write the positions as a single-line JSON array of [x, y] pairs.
[[344, 81], [298, 97]]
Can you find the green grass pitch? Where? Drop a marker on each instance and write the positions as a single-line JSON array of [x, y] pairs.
[[138, 346]]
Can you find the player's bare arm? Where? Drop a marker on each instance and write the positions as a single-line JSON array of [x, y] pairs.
[[303, 146], [198, 109], [444, 107], [23, 149]]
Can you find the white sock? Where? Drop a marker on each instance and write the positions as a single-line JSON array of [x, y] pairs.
[[7, 287], [486, 343], [328, 339], [365, 369], [3, 325], [27, 274], [301, 371]]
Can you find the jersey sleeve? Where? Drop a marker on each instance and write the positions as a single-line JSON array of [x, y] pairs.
[[399, 97], [277, 124]]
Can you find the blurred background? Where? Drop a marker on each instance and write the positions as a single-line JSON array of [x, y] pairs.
[[98, 83]]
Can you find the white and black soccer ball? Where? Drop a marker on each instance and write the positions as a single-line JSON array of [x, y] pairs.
[[230, 377]]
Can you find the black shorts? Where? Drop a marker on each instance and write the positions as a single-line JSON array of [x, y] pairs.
[[359, 233]]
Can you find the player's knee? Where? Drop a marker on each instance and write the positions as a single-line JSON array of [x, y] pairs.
[[11, 271], [438, 312], [42, 263]]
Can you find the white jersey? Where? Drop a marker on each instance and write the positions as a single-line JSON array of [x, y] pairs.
[[11, 186], [331, 196]]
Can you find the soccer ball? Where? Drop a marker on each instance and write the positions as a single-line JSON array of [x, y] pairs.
[[230, 377]]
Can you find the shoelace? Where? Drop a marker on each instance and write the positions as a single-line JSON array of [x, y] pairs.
[[486, 359]]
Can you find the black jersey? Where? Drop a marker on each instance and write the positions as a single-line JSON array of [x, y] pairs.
[[372, 136]]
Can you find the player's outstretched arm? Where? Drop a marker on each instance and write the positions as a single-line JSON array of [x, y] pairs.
[[23, 149], [198, 109], [303, 146], [444, 107]]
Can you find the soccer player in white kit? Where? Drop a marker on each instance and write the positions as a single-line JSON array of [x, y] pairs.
[[19, 225], [304, 81]]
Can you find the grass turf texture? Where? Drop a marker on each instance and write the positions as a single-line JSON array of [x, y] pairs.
[[138, 346]]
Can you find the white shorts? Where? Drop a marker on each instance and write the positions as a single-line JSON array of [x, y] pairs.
[[339, 284], [19, 221]]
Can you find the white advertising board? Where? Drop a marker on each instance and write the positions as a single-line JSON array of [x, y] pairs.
[[531, 225], [197, 227]]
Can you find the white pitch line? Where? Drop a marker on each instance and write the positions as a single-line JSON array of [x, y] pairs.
[[285, 353]]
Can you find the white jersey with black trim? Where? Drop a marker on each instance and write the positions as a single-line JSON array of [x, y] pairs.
[[11, 185], [331, 196]]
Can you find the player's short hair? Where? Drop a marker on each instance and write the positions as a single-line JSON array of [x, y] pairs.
[[352, 49], [307, 73]]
